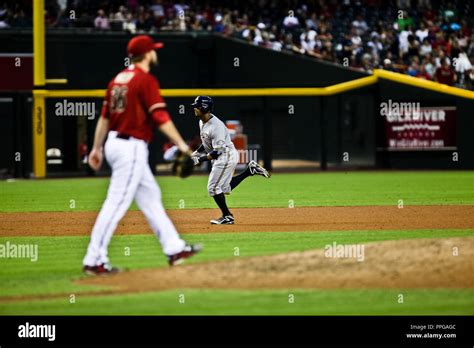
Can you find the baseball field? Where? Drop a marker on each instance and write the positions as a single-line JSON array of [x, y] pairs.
[[406, 241]]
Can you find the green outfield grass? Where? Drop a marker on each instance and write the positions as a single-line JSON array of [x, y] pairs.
[[59, 262], [60, 259], [262, 302], [321, 189]]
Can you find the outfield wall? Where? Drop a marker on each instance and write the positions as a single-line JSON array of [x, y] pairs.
[[342, 130]]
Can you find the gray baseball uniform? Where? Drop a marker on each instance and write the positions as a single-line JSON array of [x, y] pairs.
[[215, 136]]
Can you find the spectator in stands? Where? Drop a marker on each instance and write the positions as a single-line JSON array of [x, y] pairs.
[[425, 48], [440, 57], [422, 73], [312, 22], [291, 22], [145, 20], [347, 48], [157, 8], [403, 41], [367, 62], [463, 67], [219, 26], [444, 74], [414, 68], [297, 47], [129, 24], [429, 64], [387, 65], [3, 17], [422, 33], [470, 76], [118, 18], [376, 47], [308, 40], [101, 22], [362, 33], [253, 35], [403, 4], [360, 25], [20, 20], [356, 42], [413, 49], [404, 22]]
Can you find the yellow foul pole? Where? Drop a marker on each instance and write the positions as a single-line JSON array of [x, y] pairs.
[[39, 77]]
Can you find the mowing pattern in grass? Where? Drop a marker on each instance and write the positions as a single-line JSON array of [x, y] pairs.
[[60, 257], [320, 189], [263, 302]]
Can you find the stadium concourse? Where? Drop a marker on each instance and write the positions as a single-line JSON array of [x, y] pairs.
[[429, 39]]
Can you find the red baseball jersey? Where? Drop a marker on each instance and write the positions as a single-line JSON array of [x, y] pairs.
[[133, 104], [445, 75]]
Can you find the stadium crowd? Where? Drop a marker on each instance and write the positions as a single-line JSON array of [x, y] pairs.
[[429, 39]]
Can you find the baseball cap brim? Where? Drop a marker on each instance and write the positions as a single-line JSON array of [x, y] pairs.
[[158, 45]]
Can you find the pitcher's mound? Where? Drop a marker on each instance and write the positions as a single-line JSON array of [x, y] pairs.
[[417, 263]]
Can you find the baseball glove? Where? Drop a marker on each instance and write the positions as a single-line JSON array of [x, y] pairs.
[[183, 165]]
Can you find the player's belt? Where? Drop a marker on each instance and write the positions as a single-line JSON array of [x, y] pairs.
[[123, 136], [227, 149]]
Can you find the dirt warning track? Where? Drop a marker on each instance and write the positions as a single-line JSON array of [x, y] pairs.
[[251, 220]]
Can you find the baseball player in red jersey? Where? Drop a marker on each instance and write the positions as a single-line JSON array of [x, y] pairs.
[[132, 107]]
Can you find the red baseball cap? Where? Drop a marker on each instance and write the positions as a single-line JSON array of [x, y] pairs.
[[142, 44]]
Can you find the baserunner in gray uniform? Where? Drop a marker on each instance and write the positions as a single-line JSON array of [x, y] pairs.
[[217, 147]]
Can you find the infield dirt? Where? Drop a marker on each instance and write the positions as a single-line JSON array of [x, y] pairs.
[[417, 263], [420, 263], [251, 220]]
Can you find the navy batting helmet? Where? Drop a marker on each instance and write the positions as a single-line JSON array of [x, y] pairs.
[[204, 103]]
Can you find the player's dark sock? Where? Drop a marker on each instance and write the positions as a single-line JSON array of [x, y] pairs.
[[220, 201], [236, 180]]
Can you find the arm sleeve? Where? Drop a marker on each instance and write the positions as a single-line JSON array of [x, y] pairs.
[[152, 98], [218, 137], [160, 116], [105, 113]]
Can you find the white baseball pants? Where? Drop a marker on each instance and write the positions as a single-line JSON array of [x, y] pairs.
[[221, 173], [131, 179]]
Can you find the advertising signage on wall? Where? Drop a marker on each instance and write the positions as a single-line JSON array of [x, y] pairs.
[[412, 127]]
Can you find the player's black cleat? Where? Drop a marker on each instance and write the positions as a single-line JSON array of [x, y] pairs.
[[102, 269], [187, 252], [257, 169], [224, 220]]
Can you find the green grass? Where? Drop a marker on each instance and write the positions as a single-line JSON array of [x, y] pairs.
[[263, 302], [60, 259], [315, 189]]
